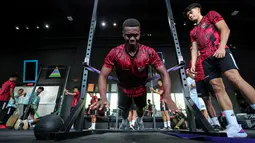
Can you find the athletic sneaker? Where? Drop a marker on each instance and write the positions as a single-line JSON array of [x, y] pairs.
[[140, 125], [217, 127], [91, 128], [25, 125], [132, 126], [123, 124], [235, 131], [17, 124]]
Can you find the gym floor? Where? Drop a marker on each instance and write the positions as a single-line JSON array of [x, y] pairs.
[[21, 136]]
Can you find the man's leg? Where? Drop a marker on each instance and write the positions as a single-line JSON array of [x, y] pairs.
[[246, 89], [212, 69], [140, 103], [124, 104], [230, 70]]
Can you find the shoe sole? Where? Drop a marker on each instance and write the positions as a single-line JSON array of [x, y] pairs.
[[239, 135], [16, 126], [11, 121]]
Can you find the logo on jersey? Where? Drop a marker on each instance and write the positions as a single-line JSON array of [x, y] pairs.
[[140, 69]]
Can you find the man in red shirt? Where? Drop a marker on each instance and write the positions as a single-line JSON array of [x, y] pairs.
[[76, 96], [204, 89], [7, 89], [92, 111], [163, 107], [209, 37], [7, 92], [132, 61]]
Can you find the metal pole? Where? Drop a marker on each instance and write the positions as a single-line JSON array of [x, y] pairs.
[[191, 108], [32, 94], [153, 103], [88, 52], [83, 97], [62, 95]]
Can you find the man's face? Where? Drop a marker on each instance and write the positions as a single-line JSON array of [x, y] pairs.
[[75, 90], [20, 91], [14, 79], [160, 83], [131, 35], [193, 14], [91, 94], [39, 90]]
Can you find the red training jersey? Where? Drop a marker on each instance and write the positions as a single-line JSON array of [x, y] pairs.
[[207, 35], [132, 72], [75, 99], [5, 90]]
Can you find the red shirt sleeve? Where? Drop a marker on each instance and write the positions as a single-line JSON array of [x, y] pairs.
[[77, 94], [214, 17], [12, 85], [110, 59], [155, 59]]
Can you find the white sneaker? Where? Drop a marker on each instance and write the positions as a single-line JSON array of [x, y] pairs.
[[132, 126], [235, 131], [17, 124], [91, 128]]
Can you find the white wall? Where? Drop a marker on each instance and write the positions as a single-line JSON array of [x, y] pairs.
[[48, 98]]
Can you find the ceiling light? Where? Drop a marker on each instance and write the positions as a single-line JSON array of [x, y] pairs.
[[47, 26], [27, 27], [37, 27], [70, 18], [114, 24], [234, 13], [17, 28], [103, 24]]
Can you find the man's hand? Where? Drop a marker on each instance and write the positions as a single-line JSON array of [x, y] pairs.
[[193, 69], [220, 53], [101, 104]]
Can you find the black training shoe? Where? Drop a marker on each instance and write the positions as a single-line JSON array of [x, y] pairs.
[[217, 127]]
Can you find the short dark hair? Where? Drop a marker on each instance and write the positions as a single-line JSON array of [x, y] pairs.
[[76, 87], [21, 89], [42, 88], [160, 80], [14, 75], [190, 7], [131, 22]]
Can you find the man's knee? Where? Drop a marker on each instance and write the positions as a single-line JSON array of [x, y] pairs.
[[233, 75], [218, 85]]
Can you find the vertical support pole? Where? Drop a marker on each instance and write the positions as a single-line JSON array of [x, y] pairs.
[[192, 108], [153, 102], [88, 52], [81, 110], [62, 96]]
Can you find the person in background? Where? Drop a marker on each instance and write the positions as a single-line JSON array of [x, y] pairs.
[[33, 107], [76, 96], [93, 111], [7, 92], [163, 107], [132, 116], [11, 106]]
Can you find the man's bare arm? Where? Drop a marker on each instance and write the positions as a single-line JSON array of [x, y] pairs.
[[102, 81], [224, 32], [194, 54]]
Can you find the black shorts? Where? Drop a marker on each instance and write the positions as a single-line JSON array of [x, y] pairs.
[[213, 67], [133, 106], [163, 108], [204, 88], [125, 102], [93, 111]]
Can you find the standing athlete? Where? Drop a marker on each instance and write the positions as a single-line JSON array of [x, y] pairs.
[[209, 37], [132, 61]]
